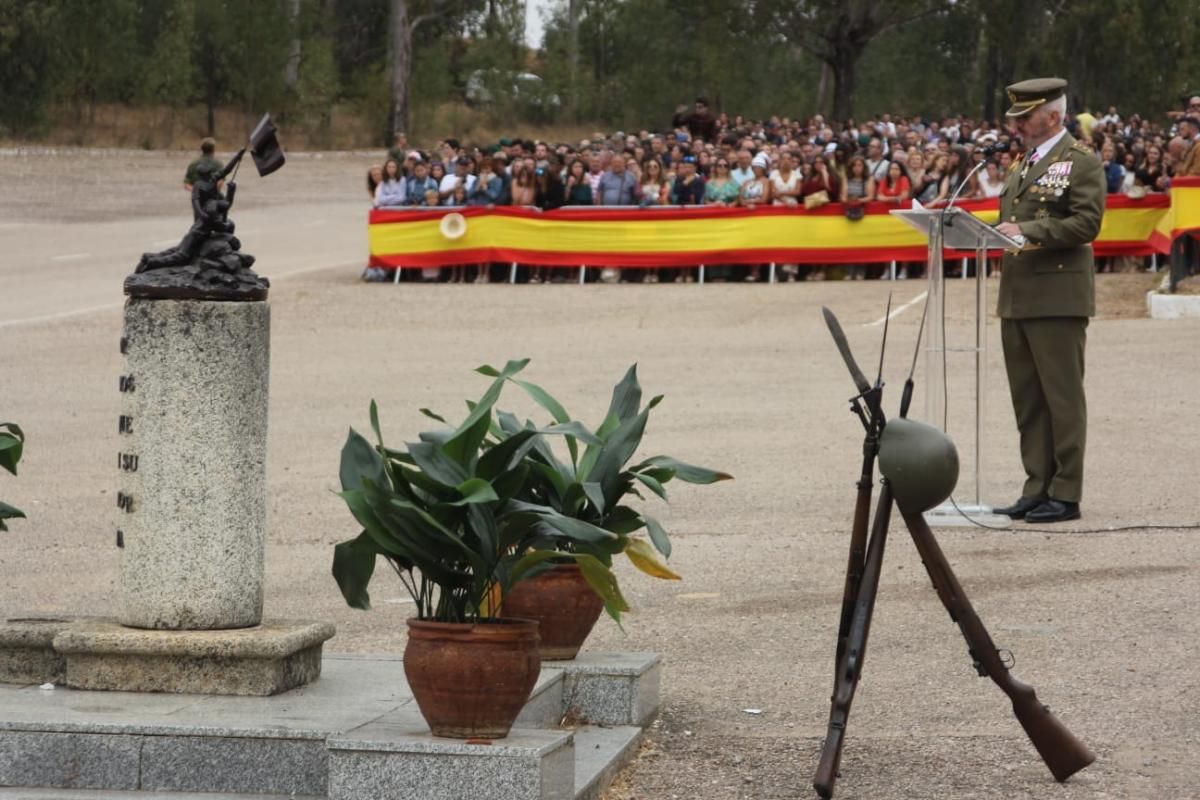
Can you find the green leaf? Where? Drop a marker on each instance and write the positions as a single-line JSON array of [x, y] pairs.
[[375, 423], [685, 472], [573, 430], [611, 423], [505, 455], [617, 450], [568, 526], [436, 464], [353, 566], [627, 396], [475, 490], [529, 561], [595, 494], [433, 415], [604, 583], [463, 447], [623, 519], [560, 415], [658, 535], [651, 483], [11, 446], [360, 460]]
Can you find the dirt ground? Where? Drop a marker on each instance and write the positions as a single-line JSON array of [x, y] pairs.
[[1103, 624]]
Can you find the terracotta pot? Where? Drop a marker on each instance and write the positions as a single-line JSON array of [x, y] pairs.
[[471, 680], [564, 605]]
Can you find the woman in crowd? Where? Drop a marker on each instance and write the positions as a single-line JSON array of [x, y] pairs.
[[823, 178], [785, 182], [857, 190], [756, 192], [655, 189], [578, 189], [524, 191], [958, 166], [1114, 172], [1151, 173], [895, 187], [392, 190], [374, 178], [721, 190], [939, 178], [489, 185], [549, 194], [990, 181], [1129, 162], [457, 273]]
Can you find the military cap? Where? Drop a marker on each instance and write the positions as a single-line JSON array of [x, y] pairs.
[[1025, 96]]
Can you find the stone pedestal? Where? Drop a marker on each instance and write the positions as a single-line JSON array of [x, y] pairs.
[[192, 463]]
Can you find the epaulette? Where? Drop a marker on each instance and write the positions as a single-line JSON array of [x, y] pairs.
[[1081, 147]]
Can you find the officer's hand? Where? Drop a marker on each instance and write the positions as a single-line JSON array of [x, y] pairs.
[[1009, 228]]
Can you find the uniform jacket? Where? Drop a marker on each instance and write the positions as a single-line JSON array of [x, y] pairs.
[[1058, 204]]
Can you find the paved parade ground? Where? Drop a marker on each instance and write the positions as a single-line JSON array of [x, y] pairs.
[[1103, 625]]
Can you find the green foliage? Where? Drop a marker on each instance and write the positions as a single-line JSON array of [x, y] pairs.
[[444, 514], [12, 443], [596, 481], [637, 59]]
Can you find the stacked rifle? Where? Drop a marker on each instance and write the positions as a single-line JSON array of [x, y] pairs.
[[918, 473]]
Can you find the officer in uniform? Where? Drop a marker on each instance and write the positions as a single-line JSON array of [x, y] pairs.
[[207, 147], [1053, 197]]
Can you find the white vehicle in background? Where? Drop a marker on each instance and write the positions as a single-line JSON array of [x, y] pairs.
[[524, 89]]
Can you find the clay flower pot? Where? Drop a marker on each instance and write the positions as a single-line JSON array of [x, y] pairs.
[[564, 605], [471, 680]]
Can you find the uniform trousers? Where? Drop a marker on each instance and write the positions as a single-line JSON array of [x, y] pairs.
[[1044, 359]]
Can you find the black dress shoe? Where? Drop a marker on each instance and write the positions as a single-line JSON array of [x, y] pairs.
[[1019, 509], [1053, 511]]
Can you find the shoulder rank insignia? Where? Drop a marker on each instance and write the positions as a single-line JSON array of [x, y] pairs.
[[1081, 147]]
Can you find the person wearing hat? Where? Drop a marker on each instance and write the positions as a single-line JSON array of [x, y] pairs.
[[208, 146], [1052, 197]]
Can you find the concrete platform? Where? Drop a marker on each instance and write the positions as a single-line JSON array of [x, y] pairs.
[[354, 733]]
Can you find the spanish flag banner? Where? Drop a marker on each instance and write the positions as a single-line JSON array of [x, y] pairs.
[[693, 235]]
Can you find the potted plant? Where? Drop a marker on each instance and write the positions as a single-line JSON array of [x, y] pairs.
[[592, 486], [12, 441], [443, 513]]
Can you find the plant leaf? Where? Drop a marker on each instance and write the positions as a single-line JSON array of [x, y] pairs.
[[436, 464], [645, 558], [623, 519], [475, 490], [651, 483], [658, 535], [604, 583], [685, 472], [530, 560], [617, 450], [433, 415], [595, 494], [573, 430], [507, 454], [11, 446], [360, 460], [627, 396], [353, 566], [375, 422]]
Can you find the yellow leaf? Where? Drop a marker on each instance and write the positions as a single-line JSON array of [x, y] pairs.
[[645, 558]]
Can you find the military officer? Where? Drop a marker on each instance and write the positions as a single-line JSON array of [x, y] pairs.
[[1053, 197], [207, 147]]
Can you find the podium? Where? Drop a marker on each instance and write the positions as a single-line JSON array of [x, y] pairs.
[[953, 227]]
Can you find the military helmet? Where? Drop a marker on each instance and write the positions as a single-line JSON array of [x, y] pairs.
[[920, 463]]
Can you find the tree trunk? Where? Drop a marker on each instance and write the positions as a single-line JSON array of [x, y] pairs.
[[992, 69], [291, 69], [844, 64], [401, 40], [822, 87], [573, 55]]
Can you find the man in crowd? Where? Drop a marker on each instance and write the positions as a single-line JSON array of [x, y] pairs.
[[877, 165], [1183, 249], [700, 122], [419, 183], [453, 179], [744, 170], [688, 189], [207, 147], [1054, 199], [399, 149], [618, 185]]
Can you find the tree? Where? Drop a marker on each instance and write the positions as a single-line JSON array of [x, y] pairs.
[[402, 28], [838, 32]]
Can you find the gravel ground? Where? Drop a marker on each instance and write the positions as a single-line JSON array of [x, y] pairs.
[[1102, 624]]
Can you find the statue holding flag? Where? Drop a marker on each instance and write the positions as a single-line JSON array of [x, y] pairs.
[[208, 262]]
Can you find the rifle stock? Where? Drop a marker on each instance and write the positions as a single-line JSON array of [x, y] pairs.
[[1062, 752]]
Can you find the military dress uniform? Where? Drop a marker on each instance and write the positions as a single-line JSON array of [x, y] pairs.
[[1047, 294]]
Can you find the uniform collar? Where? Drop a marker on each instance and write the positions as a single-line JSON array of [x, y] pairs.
[[1045, 147]]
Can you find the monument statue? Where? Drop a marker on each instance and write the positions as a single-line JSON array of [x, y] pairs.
[[208, 263]]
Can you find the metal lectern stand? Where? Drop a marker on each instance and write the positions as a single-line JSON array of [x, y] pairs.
[[953, 227]]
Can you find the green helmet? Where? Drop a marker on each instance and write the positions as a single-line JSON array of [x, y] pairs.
[[920, 463]]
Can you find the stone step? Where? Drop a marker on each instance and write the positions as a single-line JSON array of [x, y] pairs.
[[355, 733], [101, 794]]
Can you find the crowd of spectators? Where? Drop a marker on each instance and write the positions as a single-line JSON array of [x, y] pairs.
[[723, 160]]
